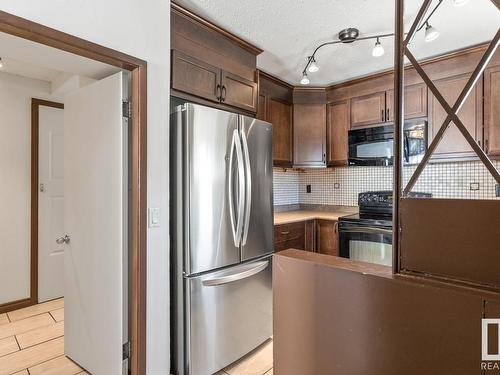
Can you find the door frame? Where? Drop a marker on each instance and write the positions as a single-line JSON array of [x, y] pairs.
[[35, 107], [35, 32]]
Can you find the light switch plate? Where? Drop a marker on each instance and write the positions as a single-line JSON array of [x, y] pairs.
[[153, 217]]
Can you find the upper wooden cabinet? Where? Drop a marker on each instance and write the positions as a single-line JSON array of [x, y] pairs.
[[238, 91], [212, 66], [275, 106], [280, 115], [415, 102], [368, 109], [194, 76], [309, 135], [378, 108], [336, 133], [453, 143], [492, 111]]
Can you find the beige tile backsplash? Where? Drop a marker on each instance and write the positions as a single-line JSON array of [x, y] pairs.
[[340, 186]]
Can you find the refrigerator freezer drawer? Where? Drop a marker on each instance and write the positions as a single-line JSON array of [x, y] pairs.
[[229, 314]]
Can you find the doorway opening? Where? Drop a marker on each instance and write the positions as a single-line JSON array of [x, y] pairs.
[[76, 161]]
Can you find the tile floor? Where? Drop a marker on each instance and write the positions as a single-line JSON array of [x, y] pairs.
[[32, 341], [258, 362]]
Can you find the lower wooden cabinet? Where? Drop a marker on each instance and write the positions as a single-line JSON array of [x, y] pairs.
[[327, 237], [290, 236], [319, 236]]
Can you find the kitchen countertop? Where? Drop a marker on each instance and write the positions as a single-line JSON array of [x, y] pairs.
[[295, 216]]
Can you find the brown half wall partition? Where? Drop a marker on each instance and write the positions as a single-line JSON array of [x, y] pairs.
[[334, 316], [452, 239]]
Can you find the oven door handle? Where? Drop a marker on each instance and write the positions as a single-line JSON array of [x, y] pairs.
[[371, 230]]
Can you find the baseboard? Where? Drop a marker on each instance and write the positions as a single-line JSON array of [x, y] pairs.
[[19, 304]]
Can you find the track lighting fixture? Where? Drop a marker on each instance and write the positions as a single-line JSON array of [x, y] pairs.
[[352, 35], [313, 66], [378, 49], [431, 33], [304, 80]]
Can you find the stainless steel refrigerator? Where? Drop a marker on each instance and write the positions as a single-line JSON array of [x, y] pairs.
[[222, 237]]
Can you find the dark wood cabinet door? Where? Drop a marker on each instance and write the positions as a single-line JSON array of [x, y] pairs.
[[309, 135], [280, 115], [415, 102], [327, 237], [310, 235], [262, 108], [239, 92], [453, 144], [492, 110], [290, 236], [195, 77], [336, 134], [368, 109]]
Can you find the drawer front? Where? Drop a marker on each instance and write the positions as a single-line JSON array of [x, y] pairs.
[[297, 243], [287, 232]]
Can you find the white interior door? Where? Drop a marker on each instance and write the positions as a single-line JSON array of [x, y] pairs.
[[50, 202], [94, 222]]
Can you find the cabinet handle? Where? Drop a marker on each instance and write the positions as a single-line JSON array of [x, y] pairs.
[[486, 146], [387, 115], [285, 232], [382, 115], [217, 92], [223, 94]]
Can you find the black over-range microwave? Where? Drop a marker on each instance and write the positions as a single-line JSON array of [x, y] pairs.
[[374, 146]]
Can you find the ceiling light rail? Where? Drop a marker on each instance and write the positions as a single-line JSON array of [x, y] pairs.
[[351, 35]]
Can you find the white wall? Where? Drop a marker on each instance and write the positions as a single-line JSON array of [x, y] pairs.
[[141, 29], [15, 166]]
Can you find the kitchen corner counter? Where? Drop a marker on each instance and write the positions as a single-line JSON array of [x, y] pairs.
[[288, 217]]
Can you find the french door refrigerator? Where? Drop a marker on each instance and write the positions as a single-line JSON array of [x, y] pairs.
[[222, 237]]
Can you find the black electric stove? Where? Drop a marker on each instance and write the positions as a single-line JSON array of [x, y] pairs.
[[367, 236]]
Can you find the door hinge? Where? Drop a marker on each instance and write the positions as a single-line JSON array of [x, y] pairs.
[[127, 109], [126, 350]]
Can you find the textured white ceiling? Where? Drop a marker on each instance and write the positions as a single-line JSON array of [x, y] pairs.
[[289, 30]]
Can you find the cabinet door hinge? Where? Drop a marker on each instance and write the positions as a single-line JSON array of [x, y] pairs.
[[126, 350], [127, 109]]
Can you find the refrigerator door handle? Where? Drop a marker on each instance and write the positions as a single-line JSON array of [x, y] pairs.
[[248, 187], [236, 222], [260, 266]]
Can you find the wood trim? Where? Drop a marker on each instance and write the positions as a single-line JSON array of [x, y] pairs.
[[430, 60], [202, 21], [35, 32], [275, 79], [15, 305], [35, 108]]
